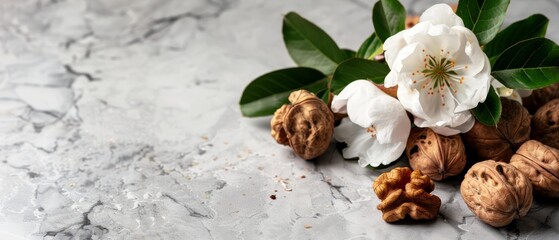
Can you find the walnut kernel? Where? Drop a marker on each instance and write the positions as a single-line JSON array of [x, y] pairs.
[[306, 125], [435, 155], [496, 192], [540, 164], [403, 192]]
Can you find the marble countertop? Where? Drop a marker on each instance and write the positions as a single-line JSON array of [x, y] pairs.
[[119, 120]]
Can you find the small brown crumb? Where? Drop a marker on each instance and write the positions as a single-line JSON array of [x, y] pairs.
[[275, 190], [307, 226], [303, 176], [273, 197]]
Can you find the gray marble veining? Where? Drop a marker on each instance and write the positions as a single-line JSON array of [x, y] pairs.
[[119, 120]]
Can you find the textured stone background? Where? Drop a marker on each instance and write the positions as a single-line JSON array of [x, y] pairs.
[[119, 120]]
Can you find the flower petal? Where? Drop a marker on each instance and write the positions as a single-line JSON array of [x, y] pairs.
[[384, 154], [354, 136], [441, 14], [392, 46], [359, 89], [368, 106], [460, 123], [470, 53], [389, 119], [409, 59], [391, 79], [355, 100], [434, 108], [473, 90], [366, 148]]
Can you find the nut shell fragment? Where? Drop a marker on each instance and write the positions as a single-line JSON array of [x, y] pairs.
[[499, 143], [540, 164], [306, 125], [435, 155], [545, 124], [496, 192], [403, 192]]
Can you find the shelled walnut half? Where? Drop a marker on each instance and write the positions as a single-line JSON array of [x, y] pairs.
[[499, 143], [496, 192], [540, 164], [435, 155], [307, 125], [545, 124], [403, 192]]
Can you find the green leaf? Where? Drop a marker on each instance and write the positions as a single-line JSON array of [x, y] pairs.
[[529, 64], [483, 17], [349, 53], [389, 17], [489, 112], [370, 48], [268, 92], [355, 69], [310, 46], [531, 27], [324, 95]]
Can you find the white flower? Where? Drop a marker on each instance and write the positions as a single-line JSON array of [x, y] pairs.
[[440, 70], [378, 126]]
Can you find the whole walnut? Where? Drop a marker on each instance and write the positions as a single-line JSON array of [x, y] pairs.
[[499, 143], [307, 125], [403, 192], [540, 164], [496, 192], [545, 124], [435, 155], [540, 97]]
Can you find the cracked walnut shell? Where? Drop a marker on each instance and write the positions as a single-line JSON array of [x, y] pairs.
[[499, 143], [306, 125], [435, 155], [545, 124], [496, 192], [540, 164], [403, 192]]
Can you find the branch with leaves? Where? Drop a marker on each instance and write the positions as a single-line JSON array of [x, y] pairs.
[[520, 56]]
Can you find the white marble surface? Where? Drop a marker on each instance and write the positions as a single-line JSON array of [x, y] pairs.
[[119, 120]]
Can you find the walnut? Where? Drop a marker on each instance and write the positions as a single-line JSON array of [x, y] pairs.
[[499, 143], [434, 155], [307, 125], [403, 192], [545, 124], [540, 164], [540, 97], [496, 192]]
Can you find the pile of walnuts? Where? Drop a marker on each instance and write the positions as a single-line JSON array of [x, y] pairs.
[[515, 160], [521, 159]]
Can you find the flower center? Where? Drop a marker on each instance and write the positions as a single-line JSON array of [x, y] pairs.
[[438, 75], [372, 131]]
